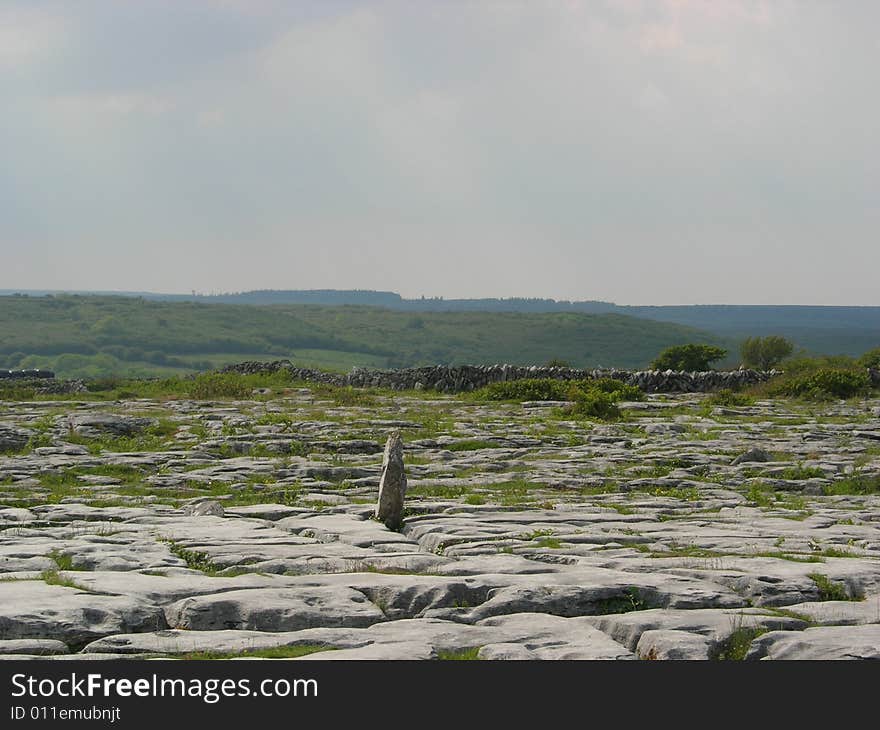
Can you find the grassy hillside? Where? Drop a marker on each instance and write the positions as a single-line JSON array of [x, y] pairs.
[[513, 337], [99, 335]]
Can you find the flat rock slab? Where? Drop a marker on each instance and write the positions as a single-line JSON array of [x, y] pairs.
[[716, 625], [271, 512], [33, 646], [674, 645], [174, 584], [525, 535], [228, 641], [399, 650], [540, 636], [287, 609], [840, 613], [587, 592], [32, 609], [348, 529], [97, 424], [826, 642]]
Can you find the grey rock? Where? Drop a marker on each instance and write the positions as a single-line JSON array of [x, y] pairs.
[[673, 645], [32, 609], [38, 647], [208, 507], [822, 643], [12, 439], [506, 651], [713, 624], [177, 641], [392, 485], [398, 650], [275, 610], [752, 455], [98, 424]]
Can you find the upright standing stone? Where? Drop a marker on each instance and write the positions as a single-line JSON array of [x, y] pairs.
[[392, 486]]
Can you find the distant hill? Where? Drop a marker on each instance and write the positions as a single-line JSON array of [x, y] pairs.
[[79, 335], [820, 330], [815, 329]]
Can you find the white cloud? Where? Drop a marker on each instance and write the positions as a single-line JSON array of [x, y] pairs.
[[636, 150], [27, 35]]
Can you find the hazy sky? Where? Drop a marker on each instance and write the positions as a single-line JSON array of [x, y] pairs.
[[638, 151]]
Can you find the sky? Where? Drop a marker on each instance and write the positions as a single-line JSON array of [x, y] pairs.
[[635, 151]]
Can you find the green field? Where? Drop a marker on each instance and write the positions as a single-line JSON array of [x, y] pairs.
[[88, 336]]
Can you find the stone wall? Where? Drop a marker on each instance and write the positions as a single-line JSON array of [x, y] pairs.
[[456, 379], [25, 374]]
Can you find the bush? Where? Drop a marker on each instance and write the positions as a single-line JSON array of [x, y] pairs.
[[824, 384], [527, 389], [618, 388], [807, 365], [688, 357], [765, 353], [594, 404], [589, 398], [726, 397], [871, 359], [550, 389]]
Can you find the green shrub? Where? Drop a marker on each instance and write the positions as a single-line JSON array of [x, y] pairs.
[[726, 397], [594, 404], [550, 389], [824, 384], [527, 389], [805, 365], [765, 353], [871, 359], [618, 388], [858, 483], [689, 357], [801, 472]]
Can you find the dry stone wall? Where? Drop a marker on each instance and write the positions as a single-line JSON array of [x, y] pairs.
[[460, 378]]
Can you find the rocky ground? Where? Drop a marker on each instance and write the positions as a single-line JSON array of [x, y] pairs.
[[683, 531]]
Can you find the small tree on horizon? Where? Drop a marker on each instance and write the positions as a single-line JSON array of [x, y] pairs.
[[765, 353], [689, 357]]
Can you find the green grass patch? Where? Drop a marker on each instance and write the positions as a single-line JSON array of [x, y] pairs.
[[736, 646], [475, 499], [687, 494], [459, 655], [194, 559], [64, 562], [801, 472], [54, 578], [830, 590], [857, 484], [729, 399], [274, 652]]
